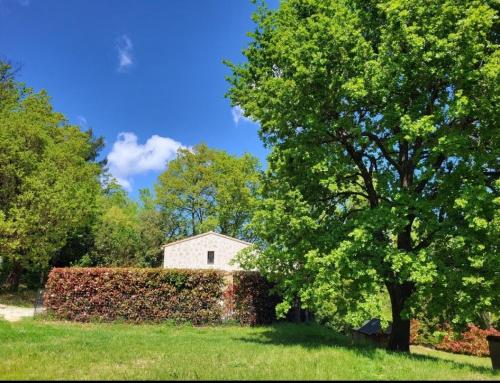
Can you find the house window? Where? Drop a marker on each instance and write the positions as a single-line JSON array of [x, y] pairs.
[[211, 257]]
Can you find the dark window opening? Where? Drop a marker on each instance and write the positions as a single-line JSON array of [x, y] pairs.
[[211, 257]]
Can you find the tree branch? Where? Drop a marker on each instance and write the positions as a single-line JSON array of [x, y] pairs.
[[426, 241], [367, 177], [380, 143], [437, 164]]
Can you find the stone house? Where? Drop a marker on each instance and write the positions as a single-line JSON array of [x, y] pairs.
[[204, 251]]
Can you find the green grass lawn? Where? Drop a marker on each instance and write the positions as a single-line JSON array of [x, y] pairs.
[[36, 349]]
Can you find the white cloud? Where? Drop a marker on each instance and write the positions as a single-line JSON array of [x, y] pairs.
[[128, 157], [238, 115], [124, 47], [82, 121], [7, 6]]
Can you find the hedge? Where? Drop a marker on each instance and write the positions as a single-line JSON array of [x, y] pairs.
[[254, 304], [138, 295]]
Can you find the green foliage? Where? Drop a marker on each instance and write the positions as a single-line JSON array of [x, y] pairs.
[[117, 241], [138, 295], [427, 332], [382, 117], [126, 233], [48, 177], [207, 189], [55, 212], [155, 229]]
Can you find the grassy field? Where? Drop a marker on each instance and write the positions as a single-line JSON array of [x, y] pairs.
[[34, 349]]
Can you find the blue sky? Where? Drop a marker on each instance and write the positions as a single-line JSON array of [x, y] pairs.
[[145, 74]]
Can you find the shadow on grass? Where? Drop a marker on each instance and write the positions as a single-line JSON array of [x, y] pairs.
[[461, 365], [310, 336], [22, 298], [313, 336]]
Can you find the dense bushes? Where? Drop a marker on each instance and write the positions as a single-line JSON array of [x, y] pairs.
[[197, 296], [106, 294], [471, 342], [427, 332], [254, 304]]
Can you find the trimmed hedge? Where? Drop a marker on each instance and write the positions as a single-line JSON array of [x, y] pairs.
[[254, 304], [138, 295]]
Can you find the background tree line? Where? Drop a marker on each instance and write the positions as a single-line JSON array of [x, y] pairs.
[[59, 206]]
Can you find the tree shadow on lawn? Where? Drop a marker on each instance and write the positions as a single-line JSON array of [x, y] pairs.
[[313, 336]]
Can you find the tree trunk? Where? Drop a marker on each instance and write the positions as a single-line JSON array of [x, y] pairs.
[[193, 222], [14, 277], [296, 310], [306, 316], [485, 320], [400, 334]]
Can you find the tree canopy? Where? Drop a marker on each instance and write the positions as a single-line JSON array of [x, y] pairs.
[[382, 117], [208, 189], [48, 175], [126, 233], [59, 206]]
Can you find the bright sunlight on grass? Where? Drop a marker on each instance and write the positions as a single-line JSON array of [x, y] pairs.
[[59, 350]]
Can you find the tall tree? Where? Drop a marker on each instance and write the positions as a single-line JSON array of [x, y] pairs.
[[382, 116], [115, 233], [81, 240], [155, 228], [126, 233], [48, 177], [208, 189]]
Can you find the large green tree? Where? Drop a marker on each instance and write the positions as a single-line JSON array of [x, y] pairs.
[[156, 228], [81, 240], [207, 189], [116, 230], [126, 233], [382, 116], [48, 178]]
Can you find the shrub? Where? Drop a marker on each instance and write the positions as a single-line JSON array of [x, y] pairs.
[[414, 331], [254, 303], [471, 342], [428, 334], [228, 312], [138, 295]]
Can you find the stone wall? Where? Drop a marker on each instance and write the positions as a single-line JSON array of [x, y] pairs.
[[192, 253]]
